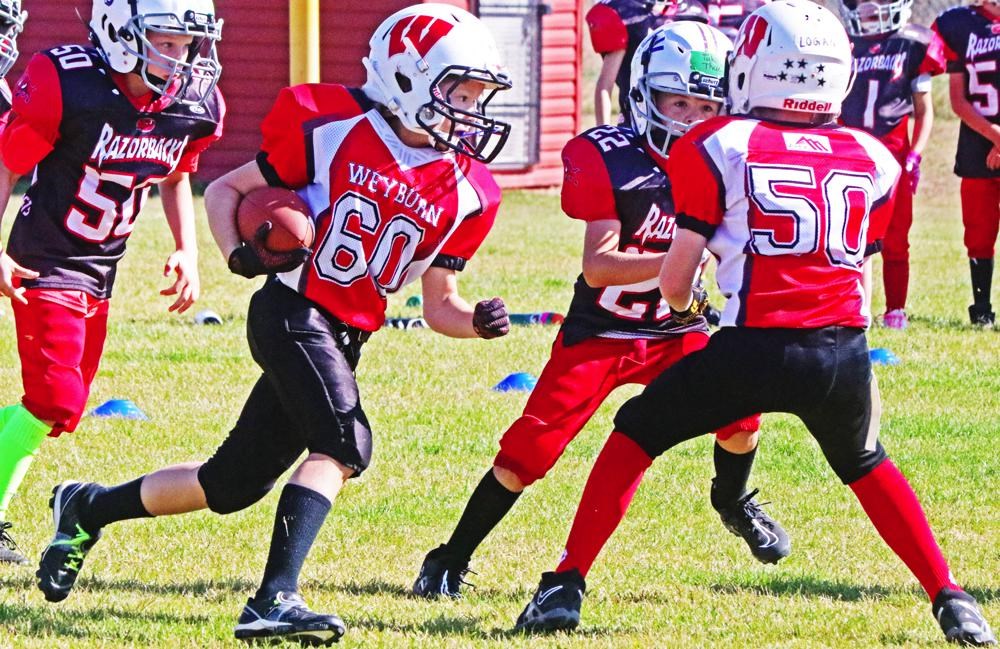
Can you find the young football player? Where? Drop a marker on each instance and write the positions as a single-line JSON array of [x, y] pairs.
[[616, 29], [790, 204], [972, 49], [894, 63], [100, 126], [618, 329], [394, 173]]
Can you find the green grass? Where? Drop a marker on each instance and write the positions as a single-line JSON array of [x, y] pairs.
[[671, 576]]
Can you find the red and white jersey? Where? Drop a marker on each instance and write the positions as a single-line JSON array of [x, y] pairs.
[[5, 102], [385, 212], [790, 213]]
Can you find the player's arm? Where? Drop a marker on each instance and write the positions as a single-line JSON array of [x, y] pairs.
[[923, 121], [679, 271], [967, 112], [178, 205], [610, 65], [604, 265], [446, 312], [9, 269], [223, 196]]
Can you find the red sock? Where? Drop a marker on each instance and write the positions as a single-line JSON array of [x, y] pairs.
[[612, 483], [896, 280], [892, 506]]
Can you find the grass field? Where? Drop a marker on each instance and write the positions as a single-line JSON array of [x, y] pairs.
[[671, 577]]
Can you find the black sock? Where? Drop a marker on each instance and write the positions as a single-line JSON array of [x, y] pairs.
[[301, 512], [112, 504], [982, 280], [731, 474], [487, 506]]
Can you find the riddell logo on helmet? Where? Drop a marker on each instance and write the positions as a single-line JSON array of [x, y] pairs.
[[808, 104], [422, 31]]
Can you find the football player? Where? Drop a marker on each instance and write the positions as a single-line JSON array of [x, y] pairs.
[[394, 173], [790, 204], [99, 126], [618, 329], [894, 63], [972, 49], [616, 29]]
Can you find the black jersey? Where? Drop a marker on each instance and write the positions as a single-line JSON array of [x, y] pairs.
[[889, 69], [972, 49], [97, 155], [608, 174]]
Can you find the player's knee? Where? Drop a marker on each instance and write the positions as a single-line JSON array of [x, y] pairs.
[[654, 438], [528, 450], [226, 493], [508, 479], [851, 463], [738, 442], [61, 402]]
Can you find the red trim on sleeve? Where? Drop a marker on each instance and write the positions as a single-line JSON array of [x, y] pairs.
[[949, 54], [189, 161], [694, 179], [607, 30], [935, 60], [469, 235], [36, 113], [587, 193]]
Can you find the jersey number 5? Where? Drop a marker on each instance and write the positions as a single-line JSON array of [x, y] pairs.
[[833, 219], [991, 106]]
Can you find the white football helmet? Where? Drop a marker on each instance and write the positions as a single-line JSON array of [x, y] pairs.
[[418, 56], [11, 24], [119, 30], [683, 58], [870, 17], [791, 55]]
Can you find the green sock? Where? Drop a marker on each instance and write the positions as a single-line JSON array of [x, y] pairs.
[[20, 436]]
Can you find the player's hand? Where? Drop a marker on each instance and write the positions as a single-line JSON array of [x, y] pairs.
[[993, 158], [699, 302], [187, 285], [254, 259], [490, 319], [912, 166], [9, 269]]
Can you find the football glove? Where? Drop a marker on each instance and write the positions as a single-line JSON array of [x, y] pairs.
[[253, 258], [699, 302], [912, 166], [490, 319]]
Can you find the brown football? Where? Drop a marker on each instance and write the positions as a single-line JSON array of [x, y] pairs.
[[292, 224]]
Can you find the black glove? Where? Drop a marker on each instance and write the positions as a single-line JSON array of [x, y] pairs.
[[699, 303], [490, 319], [253, 258]]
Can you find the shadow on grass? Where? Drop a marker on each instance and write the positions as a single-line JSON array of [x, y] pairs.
[[47, 620], [467, 627]]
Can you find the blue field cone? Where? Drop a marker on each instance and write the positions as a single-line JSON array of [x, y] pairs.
[[882, 356], [121, 408], [518, 381], [543, 318]]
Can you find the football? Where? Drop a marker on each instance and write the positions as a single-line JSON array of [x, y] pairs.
[[292, 224]]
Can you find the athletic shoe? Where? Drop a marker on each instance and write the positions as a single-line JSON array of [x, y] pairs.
[[286, 616], [767, 540], [895, 319], [441, 574], [555, 605], [9, 553], [961, 620], [982, 315], [62, 559]]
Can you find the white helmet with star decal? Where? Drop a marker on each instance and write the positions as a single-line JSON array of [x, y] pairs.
[[790, 55]]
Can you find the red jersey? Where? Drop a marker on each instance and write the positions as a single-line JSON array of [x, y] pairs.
[[385, 212], [790, 212], [5, 99]]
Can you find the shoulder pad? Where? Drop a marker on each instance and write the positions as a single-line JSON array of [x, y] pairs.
[[917, 33]]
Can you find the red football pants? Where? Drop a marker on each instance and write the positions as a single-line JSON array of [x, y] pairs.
[[575, 382], [981, 215], [60, 338]]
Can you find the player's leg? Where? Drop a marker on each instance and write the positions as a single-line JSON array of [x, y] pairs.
[[981, 218], [845, 424], [573, 384], [51, 340], [304, 355], [896, 257]]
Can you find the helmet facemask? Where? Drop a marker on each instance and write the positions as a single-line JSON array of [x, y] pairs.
[[872, 17], [469, 132], [189, 81], [11, 25]]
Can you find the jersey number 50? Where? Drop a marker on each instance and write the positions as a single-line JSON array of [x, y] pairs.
[[834, 219]]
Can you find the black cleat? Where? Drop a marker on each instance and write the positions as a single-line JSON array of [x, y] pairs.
[[961, 620], [9, 552], [441, 574], [767, 540], [286, 617], [62, 559], [556, 604], [982, 315]]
